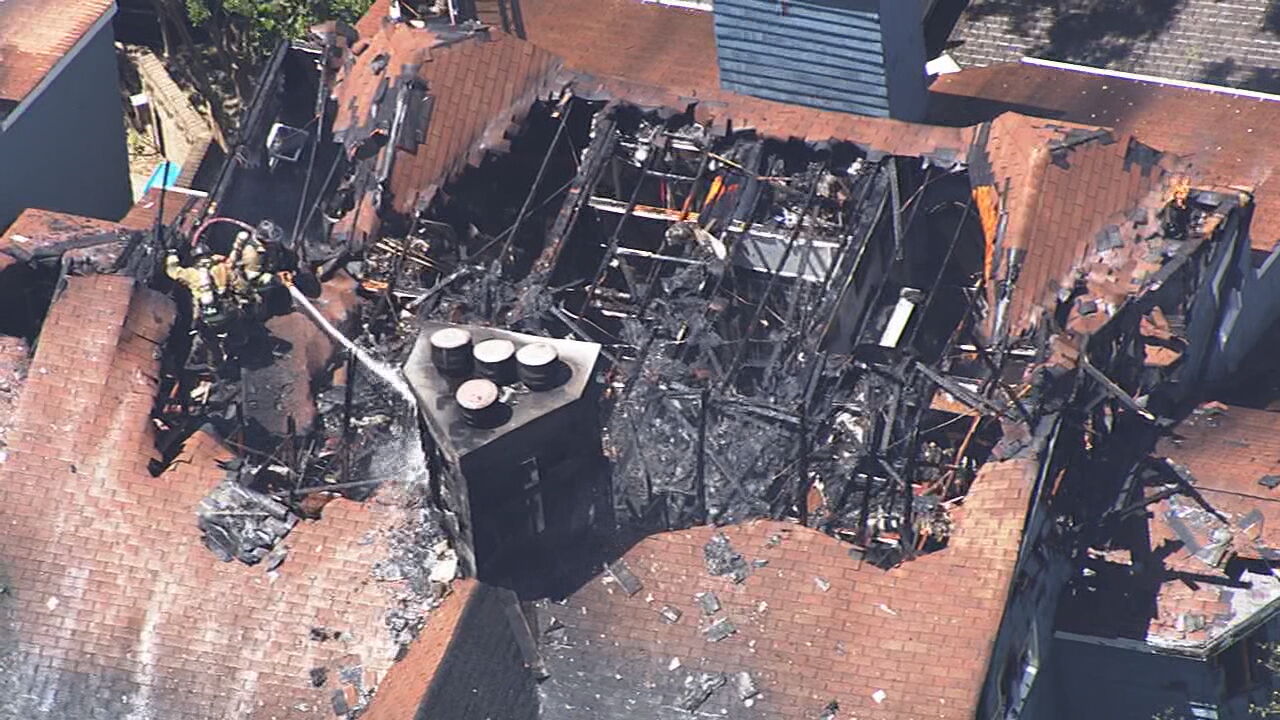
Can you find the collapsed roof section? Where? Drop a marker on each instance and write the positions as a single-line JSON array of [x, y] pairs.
[[1188, 572], [417, 104], [1051, 195]]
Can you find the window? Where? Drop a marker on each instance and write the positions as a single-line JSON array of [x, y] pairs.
[[1019, 674]]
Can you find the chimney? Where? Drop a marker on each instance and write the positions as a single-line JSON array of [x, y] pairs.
[[858, 56]]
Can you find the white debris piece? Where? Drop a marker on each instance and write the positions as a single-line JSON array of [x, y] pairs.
[[446, 567]]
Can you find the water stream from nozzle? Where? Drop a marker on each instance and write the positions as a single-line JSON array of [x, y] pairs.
[[386, 373]]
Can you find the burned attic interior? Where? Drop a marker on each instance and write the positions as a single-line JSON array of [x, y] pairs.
[[770, 327], [762, 311]]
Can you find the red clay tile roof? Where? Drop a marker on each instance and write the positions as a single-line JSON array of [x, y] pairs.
[[661, 56], [112, 604], [1227, 453], [13, 369], [403, 690], [35, 34], [1061, 184], [1169, 594], [479, 88], [922, 633], [35, 228], [142, 216], [1224, 139]]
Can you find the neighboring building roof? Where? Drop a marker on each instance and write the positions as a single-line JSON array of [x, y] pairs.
[[1194, 575], [112, 605], [1235, 44], [1221, 139], [35, 35], [813, 623]]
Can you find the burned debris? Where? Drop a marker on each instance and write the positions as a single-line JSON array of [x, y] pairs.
[[761, 306]]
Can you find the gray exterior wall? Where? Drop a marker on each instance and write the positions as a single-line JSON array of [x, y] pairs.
[[1023, 643], [1085, 680], [66, 150], [485, 673], [857, 56], [1250, 309]]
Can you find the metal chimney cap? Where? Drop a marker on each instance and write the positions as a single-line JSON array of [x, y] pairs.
[[537, 355], [476, 394], [450, 338], [494, 351]]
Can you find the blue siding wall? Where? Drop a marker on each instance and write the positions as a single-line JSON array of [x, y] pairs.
[[858, 56], [67, 151]]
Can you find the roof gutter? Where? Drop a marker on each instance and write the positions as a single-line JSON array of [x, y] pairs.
[[58, 67], [1121, 75]]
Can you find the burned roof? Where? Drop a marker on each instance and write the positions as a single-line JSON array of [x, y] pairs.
[[1205, 41], [658, 56], [447, 99], [46, 233], [801, 621], [1058, 187], [34, 37], [1223, 139], [112, 604], [1194, 574]]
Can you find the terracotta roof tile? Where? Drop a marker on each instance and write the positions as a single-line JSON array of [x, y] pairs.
[[658, 55], [34, 35], [1176, 595], [110, 591], [36, 228], [1224, 139], [404, 689], [479, 88], [808, 645], [1060, 184]]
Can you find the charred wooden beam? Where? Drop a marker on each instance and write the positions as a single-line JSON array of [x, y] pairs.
[[773, 279], [593, 164], [657, 149], [968, 397], [1115, 390]]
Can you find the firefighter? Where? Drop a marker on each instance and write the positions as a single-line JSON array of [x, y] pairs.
[[206, 279], [222, 286], [246, 269]]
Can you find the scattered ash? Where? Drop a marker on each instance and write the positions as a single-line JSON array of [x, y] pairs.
[[419, 561], [722, 559], [14, 362]]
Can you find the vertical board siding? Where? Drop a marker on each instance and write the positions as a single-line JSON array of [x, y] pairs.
[[822, 54]]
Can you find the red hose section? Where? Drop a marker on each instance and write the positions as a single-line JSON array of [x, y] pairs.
[[195, 236]]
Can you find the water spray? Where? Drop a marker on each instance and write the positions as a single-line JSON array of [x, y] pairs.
[[387, 374]]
